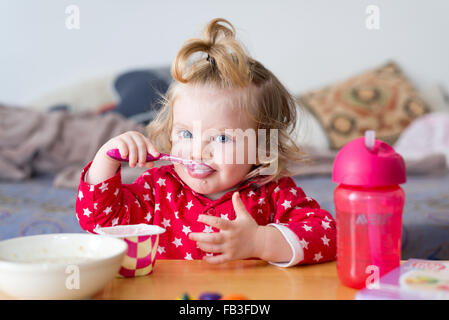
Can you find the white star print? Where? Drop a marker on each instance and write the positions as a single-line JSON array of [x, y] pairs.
[[251, 193], [116, 192], [104, 187], [169, 196], [146, 173], [180, 194], [80, 195], [186, 229], [148, 216], [95, 205], [325, 240], [137, 202], [286, 204], [208, 229], [309, 199], [307, 228], [160, 249], [188, 256], [309, 213], [166, 223], [156, 207], [161, 182], [91, 187], [177, 242], [225, 216], [176, 214], [146, 197], [318, 256], [114, 221], [147, 186], [327, 218], [259, 211], [262, 201], [293, 191], [304, 243], [107, 210], [325, 225], [276, 189], [87, 212], [189, 204]]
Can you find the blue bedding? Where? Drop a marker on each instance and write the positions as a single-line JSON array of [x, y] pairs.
[[36, 207]]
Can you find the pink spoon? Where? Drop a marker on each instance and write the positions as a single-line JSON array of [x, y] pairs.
[[190, 164]]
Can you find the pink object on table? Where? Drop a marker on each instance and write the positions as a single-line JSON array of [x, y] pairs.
[[368, 204]]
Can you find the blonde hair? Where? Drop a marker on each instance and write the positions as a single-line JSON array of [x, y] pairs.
[[228, 65]]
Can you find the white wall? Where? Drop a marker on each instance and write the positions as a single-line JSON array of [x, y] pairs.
[[306, 43]]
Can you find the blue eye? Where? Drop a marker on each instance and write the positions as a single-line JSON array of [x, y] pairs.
[[222, 138], [186, 134]]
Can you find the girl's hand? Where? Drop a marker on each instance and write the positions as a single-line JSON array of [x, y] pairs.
[[132, 144], [237, 239]]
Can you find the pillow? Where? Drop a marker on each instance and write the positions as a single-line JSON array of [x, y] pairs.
[[381, 99], [85, 95], [435, 97], [426, 136], [308, 132], [139, 93]]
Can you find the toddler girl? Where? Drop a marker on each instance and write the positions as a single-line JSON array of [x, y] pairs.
[[243, 204]]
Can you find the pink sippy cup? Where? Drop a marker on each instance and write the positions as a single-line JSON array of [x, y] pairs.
[[368, 205]]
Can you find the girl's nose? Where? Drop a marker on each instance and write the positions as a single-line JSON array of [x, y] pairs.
[[202, 151]]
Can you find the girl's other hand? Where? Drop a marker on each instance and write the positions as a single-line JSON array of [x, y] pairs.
[[237, 239]]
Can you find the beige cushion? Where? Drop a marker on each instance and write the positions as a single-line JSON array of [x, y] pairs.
[[381, 99]]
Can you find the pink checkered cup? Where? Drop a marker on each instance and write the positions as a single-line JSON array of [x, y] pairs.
[[142, 240]]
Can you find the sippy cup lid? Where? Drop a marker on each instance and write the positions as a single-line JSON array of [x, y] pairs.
[[368, 162]]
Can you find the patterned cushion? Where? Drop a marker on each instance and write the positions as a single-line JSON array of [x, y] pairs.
[[381, 99]]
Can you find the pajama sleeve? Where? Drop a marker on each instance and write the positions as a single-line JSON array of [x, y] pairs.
[[111, 203], [310, 230]]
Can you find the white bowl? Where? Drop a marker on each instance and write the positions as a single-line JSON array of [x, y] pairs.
[[59, 266]]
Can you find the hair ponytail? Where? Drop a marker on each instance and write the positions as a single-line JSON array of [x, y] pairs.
[[226, 64]]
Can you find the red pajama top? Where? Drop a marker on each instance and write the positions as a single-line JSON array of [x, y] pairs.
[[160, 197]]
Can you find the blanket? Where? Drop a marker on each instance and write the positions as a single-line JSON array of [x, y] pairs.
[[56, 143]]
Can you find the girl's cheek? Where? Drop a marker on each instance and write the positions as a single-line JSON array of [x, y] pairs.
[[232, 153], [222, 154], [181, 149]]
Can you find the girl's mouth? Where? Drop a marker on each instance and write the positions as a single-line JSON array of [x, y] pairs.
[[199, 172]]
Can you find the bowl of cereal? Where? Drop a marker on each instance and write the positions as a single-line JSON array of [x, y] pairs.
[[59, 266]]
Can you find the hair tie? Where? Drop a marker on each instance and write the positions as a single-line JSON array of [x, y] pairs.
[[211, 60]]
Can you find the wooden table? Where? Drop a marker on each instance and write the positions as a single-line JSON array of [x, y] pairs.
[[255, 279]]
